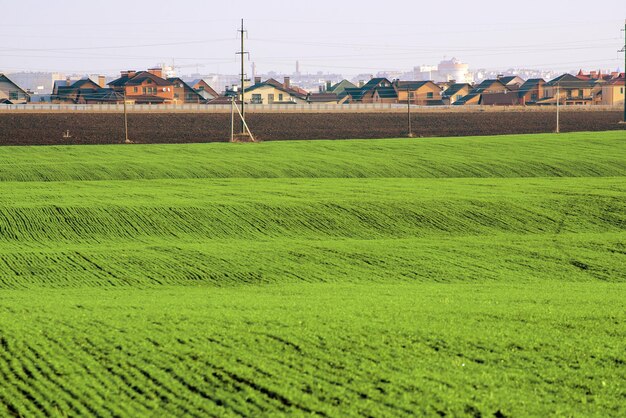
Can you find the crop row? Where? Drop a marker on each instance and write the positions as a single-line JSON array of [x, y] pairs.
[[511, 258], [313, 349], [568, 155], [306, 209]]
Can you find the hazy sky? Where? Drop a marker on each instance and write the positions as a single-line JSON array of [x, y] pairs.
[[346, 37]]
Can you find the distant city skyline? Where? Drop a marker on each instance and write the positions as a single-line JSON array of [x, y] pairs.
[[350, 37]]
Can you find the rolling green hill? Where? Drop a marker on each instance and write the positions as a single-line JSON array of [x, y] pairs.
[[451, 276]]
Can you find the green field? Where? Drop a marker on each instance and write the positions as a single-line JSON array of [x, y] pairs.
[[479, 276]]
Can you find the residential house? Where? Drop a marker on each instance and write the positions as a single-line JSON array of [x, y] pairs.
[[482, 90], [68, 91], [596, 75], [184, 93], [203, 89], [273, 92], [339, 89], [531, 91], [455, 92], [100, 96], [144, 87], [377, 90], [513, 82], [422, 93], [11, 93], [613, 92], [572, 91]]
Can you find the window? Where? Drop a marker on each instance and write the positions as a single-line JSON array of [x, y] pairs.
[[149, 81], [143, 90], [580, 93], [411, 94], [429, 95], [135, 89], [13, 95], [270, 98], [256, 98], [459, 96]]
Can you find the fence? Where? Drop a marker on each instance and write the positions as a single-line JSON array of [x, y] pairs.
[[279, 108]]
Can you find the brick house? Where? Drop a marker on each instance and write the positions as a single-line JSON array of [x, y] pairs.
[[572, 91], [203, 89], [455, 92], [422, 93], [184, 93], [144, 87], [377, 90], [613, 92], [531, 90], [479, 92]]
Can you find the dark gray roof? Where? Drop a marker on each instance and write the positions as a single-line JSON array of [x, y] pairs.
[[454, 89], [529, 85], [507, 79], [465, 99], [144, 75], [387, 92], [569, 81], [118, 82], [356, 93], [374, 82]]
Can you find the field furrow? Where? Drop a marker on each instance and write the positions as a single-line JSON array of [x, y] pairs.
[[427, 277]]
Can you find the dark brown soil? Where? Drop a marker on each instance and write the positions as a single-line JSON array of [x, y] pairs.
[[106, 128]]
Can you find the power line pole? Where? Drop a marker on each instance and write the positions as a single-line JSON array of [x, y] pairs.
[[558, 101], [624, 88], [125, 119], [408, 106], [242, 33]]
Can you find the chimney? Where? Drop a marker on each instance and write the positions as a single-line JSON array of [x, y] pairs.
[[453, 81], [287, 82], [329, 85], [321, 89], [257, 80], [361, 83], [156, 71], [500, 76], [101, 81], [68, 82], [129, 73]]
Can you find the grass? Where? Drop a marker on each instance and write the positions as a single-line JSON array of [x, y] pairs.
[[456, 276], [541, 155]]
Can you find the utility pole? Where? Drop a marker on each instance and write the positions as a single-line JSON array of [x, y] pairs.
[[127, 141], [624, 88], [558, 101], [242, 33], [232, 118], [408, 107]]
